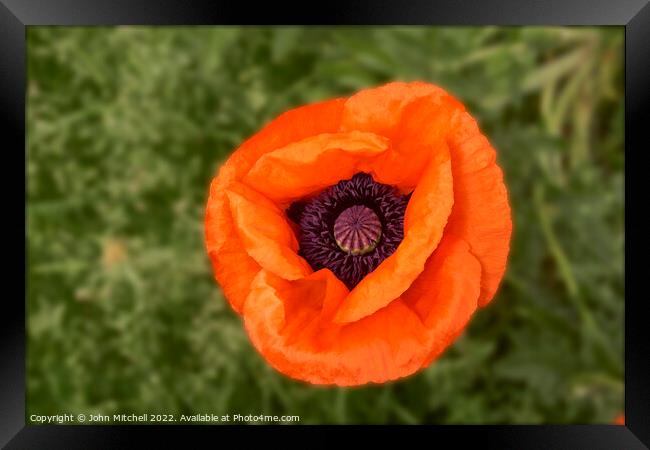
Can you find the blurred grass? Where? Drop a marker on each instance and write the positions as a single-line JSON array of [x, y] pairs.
[[127, 125]]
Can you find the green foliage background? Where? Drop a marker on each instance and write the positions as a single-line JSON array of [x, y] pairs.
[[127, 125]]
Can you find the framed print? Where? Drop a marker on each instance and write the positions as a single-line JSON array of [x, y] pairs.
[[377, 215]]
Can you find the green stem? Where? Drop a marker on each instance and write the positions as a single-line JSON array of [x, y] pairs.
[[590, 327]]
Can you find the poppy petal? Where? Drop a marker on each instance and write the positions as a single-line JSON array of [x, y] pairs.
[[422, 129], [414, 116], [291, 126], [312, 164], [285, 323], [233, 268], [481, 214], [424, 221], [265, 233], [450, 273], [379, 110]]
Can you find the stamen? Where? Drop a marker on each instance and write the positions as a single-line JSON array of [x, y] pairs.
[[351, 227]]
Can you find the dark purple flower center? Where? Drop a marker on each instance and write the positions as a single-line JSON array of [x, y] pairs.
[[351, 227]]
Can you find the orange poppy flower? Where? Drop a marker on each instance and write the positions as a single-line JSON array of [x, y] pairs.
[[357, 236]]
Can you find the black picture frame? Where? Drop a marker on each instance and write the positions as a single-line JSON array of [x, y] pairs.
[[633, 15]]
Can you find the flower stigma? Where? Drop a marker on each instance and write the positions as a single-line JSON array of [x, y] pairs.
[[357, 230]]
